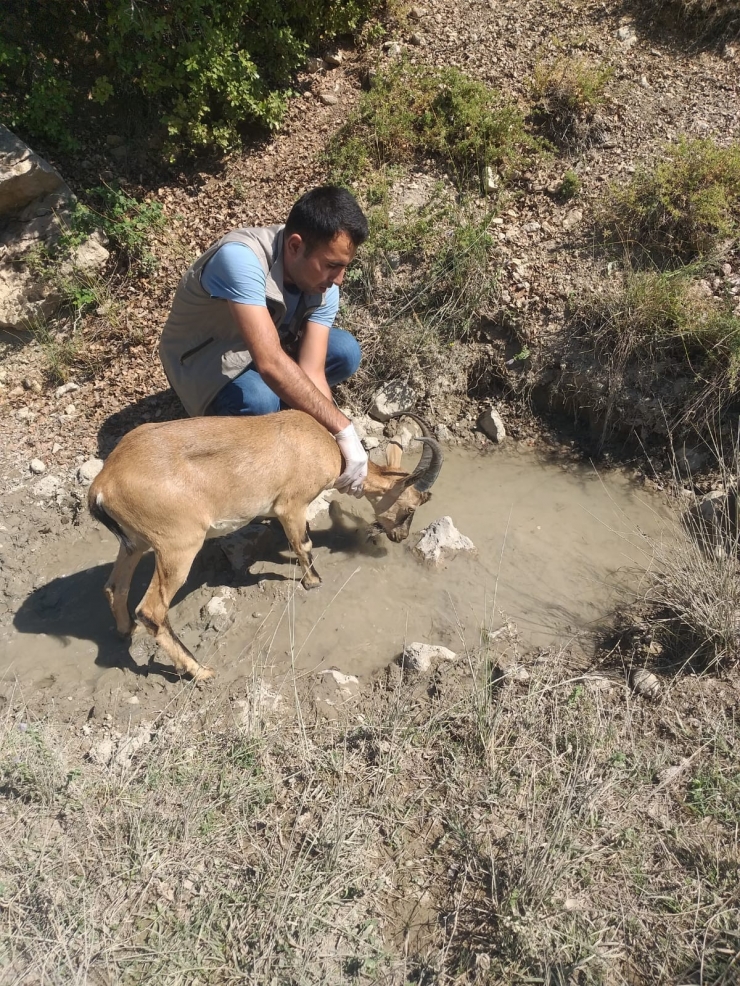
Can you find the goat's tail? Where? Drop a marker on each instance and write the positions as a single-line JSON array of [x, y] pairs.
[[98, 511]]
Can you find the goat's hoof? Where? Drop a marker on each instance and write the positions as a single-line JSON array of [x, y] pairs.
[[311, 584], [202, 673]]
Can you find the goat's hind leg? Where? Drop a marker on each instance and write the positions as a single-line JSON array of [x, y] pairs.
[[296, 531], [118, 585], [170, 572]]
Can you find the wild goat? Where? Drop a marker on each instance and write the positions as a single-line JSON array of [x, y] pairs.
[[165, 485]]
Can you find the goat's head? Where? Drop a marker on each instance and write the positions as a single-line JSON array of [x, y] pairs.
[[395, 494]]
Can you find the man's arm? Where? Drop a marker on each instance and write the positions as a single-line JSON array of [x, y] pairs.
[[283, 376], [312, 355]]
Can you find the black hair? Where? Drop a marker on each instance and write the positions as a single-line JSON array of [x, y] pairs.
[[323, 212]]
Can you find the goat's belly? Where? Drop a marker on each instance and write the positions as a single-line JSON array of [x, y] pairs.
[[227, 524]]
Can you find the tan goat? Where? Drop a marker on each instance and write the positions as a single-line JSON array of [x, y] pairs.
[[165, 485]]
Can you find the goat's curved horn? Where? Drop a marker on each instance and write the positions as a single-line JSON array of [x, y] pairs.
[[425, 474], [426, 431]]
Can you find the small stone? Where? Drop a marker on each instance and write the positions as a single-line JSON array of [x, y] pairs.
[[37, 466], [134, 700], [30, 384], [46, 487], [416, 39], [26, 414], [66, 388], [421, 657], [572, 219], [490, 181], [441, 540], [644, 82], [442, 433], [89, 470], [394, 396], [645, 683], [370, 443], [729, 52], [102, 752], [333, 59], [56, 447], [114, 140], [416, 13], [70, 410], [315, 65], [329, 98], [626, 33], [393, 49], [492, 425]]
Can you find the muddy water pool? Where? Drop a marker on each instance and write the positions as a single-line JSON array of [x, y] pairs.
[[558, 546]]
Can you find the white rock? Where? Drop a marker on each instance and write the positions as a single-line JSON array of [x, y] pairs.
[[572, 219], [626, 33], [490, 181], [134, 700], [366, 427], [422, 657], [88, 256], [216, 606], [46, 487], [37, 466], [102, 752], [26, 414], [70, 410], [441, 540], [394, 396], [315, 65], [329, 98], [333, 59], [442, 433], [24, 176], [89, 470], [370, 443], [318, 506], [492, 425], [66, 388]]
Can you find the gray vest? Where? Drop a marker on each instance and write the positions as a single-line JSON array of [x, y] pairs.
[[201, 347]]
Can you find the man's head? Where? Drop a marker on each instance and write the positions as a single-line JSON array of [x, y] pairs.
[[324, 229]]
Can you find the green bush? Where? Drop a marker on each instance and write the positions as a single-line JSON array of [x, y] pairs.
[[416, 110], [665, 320], [682, 206], [204, 67]]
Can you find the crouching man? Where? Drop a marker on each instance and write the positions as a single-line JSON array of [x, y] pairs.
[[252, 322]]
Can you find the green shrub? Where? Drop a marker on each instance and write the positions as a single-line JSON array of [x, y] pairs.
[[683, 206], [417, 110], [567, 94], [665, 320], [204, 67]]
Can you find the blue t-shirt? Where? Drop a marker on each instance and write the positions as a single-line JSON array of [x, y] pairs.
[[234, 273]]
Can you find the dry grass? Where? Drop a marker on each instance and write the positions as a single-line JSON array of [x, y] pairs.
[[478, 828], [567, 94]]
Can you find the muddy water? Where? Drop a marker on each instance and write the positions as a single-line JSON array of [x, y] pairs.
[[557, 547]]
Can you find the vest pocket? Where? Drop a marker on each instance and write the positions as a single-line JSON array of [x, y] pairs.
[[194, 350]]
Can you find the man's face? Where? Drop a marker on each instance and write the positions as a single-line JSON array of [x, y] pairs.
[[317, 270]]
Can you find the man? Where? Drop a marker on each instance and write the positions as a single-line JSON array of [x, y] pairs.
[[251, 325]]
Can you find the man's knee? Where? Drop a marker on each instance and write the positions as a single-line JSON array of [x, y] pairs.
[[343, 356], [239, 398]]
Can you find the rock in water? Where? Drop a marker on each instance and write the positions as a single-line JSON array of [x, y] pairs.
[[442, 540]]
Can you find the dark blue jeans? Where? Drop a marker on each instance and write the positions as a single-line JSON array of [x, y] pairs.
[[249, 394]]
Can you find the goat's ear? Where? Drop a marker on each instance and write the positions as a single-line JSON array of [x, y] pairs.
[[393, 453]]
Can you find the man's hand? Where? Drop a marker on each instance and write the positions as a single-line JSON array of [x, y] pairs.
[[355, 462]]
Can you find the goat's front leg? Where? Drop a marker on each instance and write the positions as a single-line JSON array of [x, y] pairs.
[[296, 531]]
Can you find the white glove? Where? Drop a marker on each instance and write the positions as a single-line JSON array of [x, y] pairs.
[[355, 462]]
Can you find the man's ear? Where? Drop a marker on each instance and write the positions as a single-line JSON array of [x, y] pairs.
[[294, 243]]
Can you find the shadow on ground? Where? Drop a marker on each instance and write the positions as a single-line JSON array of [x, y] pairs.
[[73, 607], [163, 406]]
